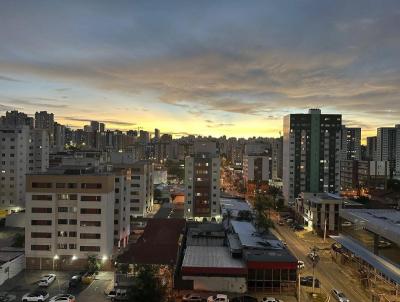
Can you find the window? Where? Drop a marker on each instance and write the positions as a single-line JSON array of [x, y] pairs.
[[72, 221], [40, 235], [72, 185], [135, 200], [42, 197], [135, 209], [62, 246], [135, 185], [84, 248], [62, 234], [72, 234], [37, 247], [60, 185], [42, 185], [42, 210], [90, 223], [90, 198], [62, 221], [67, 196], [41, 222], [91, 186], [89, 236], [72, 246], [90, 211], [62, 209]]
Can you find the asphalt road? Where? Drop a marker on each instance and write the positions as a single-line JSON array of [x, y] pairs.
[[328, 272]]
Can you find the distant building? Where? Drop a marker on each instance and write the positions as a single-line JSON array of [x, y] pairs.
[[23, 150], [371, 148], [277, 158], [68, 218], [256, 168], [45, 121], [351, 144], [311, 153], [15, 118], [202, 183], [388, 148]]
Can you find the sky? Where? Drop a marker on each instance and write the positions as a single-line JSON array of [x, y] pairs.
[[216, 68]]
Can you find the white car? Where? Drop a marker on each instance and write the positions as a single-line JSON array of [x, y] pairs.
[[300, 264], [338, 295], [63, 298], [218, 298], [270, 299], [36, 296], [192, 298], [46, 280], [347, 223]]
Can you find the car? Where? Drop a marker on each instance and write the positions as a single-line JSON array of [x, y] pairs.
[[337, 247], [192, 298], [347, 224], [46, 280], [300, 264], [270, 299], [383, 244], [308, 281], [245, 298], [281, 222], [218, 298], [75, 281], [36, 296], [340, 296], [111, 294], [63, 298], [298, 227], [289, 220], [118, 295]]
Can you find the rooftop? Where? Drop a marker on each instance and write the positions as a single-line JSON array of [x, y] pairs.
[[234, 205], [380, 221]]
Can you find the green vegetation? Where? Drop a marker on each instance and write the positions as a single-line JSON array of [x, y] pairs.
[[93, 264], [147, 286], [261, 204]]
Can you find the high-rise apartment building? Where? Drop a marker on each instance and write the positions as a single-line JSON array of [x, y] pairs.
[[371, 148], [22, 150], [311, 153], [256, 168], [388, 148], [351, 143], [45, 121], [15, 118], [68, 218], [202, 182], [277, 158]]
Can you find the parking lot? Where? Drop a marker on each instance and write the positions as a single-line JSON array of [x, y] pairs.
[[26, 282]]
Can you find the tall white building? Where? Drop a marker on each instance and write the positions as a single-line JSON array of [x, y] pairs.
[[202, 183], [22, 150], [256, 168], [311, 153], [69, 216]]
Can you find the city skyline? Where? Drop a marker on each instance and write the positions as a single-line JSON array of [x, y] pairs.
[[204, 68]]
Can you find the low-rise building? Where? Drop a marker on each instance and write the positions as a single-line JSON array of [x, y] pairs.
[[319, 211], [68, 218]]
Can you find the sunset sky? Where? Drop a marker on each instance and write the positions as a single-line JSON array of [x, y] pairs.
[[202, 67]]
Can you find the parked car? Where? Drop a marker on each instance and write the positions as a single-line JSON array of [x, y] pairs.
[[337, 247], [300, 264], [119, 294], [347, 224], [383, 244], [270, 299], [281, 222], [63, 298], [75, 281], [308, 281], [46, 280], [36, 296], [111, 294], [289, 220], [338, 295], [298, 227], [193, 298], [245, 298], [218, 298]]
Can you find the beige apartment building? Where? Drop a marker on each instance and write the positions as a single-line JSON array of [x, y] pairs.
[[68, 218]]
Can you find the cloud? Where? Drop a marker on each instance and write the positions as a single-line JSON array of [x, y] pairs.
[[114, 122], [4, 78]]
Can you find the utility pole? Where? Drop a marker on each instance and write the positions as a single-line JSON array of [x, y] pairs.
[[325, 230], [298, 289]]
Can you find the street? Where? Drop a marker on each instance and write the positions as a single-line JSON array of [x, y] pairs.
[[328, 272]]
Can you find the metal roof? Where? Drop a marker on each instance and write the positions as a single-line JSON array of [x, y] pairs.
[[210, 257], [234, 205], [380, 221], [383, 266]]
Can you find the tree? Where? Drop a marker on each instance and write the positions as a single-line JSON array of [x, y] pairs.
[[93, 264], [123, 268], [274, 192], [175, 168], [18, 240], [147, 286]]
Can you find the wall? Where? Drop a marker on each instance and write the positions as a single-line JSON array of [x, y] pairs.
[[219, 284], [14, 267], [16, 220]]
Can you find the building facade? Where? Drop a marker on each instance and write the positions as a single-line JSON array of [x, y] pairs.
[[388, 148], [68, 219], [311, 153], [351, 143]]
